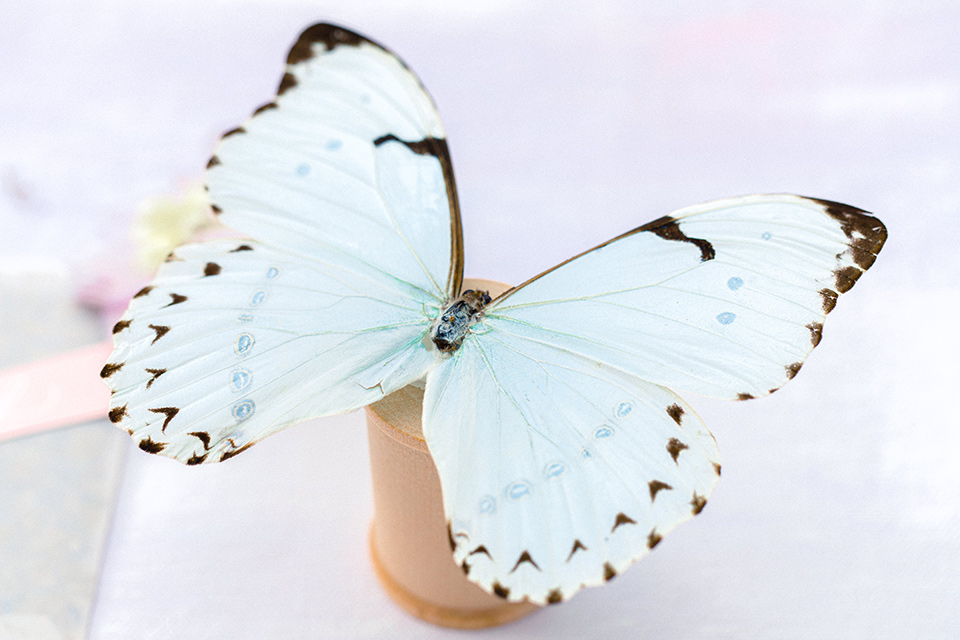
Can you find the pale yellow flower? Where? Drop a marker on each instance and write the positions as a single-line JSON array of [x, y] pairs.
[[163, 223]]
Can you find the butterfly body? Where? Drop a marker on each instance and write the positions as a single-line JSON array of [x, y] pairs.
[[451, 327], [563, 452]]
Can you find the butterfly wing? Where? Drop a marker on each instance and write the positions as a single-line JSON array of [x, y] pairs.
[[561, 453], [725, 299], [350, 156], [557, 470], [346, 183], [235, 341]]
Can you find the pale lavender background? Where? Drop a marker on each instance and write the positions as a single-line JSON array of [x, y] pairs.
[[839, 511]]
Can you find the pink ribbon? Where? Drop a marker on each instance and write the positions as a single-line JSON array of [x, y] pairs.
[[55, 392]]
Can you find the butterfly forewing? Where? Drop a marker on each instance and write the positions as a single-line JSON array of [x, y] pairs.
[[558, 471], [725, 299], [350, 157]]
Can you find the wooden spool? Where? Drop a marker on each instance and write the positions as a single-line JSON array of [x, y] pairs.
[[408, 538]]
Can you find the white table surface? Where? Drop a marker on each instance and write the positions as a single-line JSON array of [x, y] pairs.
[[838, 515]]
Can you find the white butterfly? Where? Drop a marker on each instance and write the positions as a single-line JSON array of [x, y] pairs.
[[563, 455]]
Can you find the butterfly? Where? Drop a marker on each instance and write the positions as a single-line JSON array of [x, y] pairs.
[[562, 451]]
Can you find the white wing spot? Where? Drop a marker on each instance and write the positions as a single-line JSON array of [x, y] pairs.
[[623, 409], [726, 317], [488, 505], [240, 379], [734, 283], [603, 432], [554, 470], [303, 169], [518, 490], [243, 410], [244, 344]]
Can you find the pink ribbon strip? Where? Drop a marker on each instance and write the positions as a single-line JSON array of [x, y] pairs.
[[55, 392]]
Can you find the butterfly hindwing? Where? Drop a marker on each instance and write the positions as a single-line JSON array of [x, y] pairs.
[[558, 471], [235, 340]]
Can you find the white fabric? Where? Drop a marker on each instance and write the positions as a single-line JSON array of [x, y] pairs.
[[837, 511]]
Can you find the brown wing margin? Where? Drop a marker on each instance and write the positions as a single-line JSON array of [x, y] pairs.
[[666, 227], [333, 36], [865, 233], [455, 275], [437, 147]]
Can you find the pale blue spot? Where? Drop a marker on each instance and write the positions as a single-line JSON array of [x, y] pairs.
[[603, 432], [243, 410], [735, 283], [258, 298], [766, 235], [623, 409], [334, 144], [303, 169], [585, 453], [726, 317], [240, 379], [244, 344], [488, 505], [518, 490], [554, 470], [272, 272], [365, 98]]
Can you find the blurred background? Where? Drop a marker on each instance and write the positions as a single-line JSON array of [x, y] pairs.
[[839, 510]]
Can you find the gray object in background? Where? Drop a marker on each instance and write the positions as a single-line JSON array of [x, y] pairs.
[[57, 489]]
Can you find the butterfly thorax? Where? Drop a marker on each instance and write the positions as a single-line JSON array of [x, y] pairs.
[[451, 327]]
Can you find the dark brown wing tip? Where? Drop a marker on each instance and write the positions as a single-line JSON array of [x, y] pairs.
[[866, 232], [329, 35], [863, 221]]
